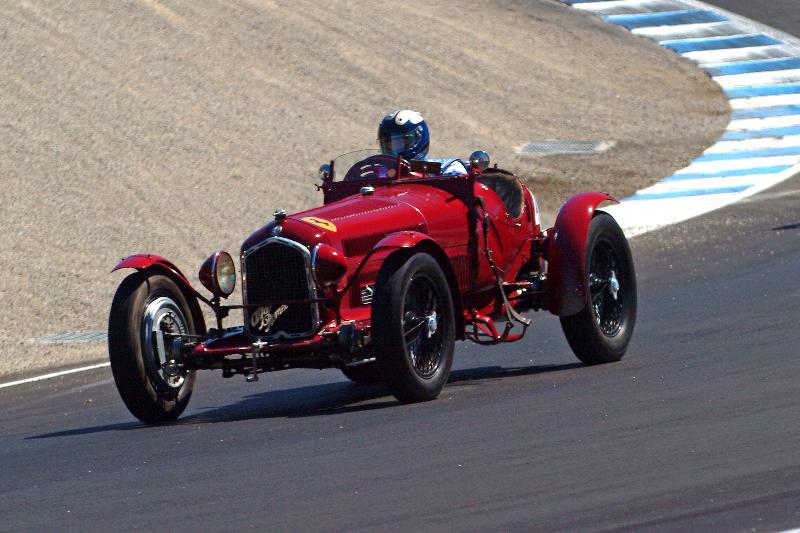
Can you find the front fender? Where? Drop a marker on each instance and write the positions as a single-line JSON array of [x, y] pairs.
[[401, 239], [406, 240], [142, 262], [566, 261], [145, 261]]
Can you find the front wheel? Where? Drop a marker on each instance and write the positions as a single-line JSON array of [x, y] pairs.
[[413, 327], [600, 333], [147, 308]]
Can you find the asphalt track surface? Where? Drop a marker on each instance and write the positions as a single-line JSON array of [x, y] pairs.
[[781, 14], [696, 429]]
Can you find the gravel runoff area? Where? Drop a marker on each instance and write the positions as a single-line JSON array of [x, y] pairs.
[[176, 127]]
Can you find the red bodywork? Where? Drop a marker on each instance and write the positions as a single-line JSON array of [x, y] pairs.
[[452, 218], [567, 251]]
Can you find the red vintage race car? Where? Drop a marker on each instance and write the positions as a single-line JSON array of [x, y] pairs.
[[380, 281]]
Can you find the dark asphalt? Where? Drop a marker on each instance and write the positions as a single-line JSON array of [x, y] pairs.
[[781, 14], [696, 429]]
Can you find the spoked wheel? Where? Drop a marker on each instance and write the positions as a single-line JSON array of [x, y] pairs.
[[421, 331], [600, 333], [413, 328], [608, 305], [147, 310]]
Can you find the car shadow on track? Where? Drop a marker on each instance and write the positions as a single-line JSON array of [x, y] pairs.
[[787, 227], [318, 400]]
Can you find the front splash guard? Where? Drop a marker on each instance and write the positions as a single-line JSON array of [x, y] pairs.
[[234, 352], [235, 341]]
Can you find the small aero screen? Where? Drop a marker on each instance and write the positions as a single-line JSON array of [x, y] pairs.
[[426, 167]]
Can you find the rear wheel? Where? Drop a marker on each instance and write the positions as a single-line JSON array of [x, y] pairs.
[[145, 307], [413, 328], [600, 333]]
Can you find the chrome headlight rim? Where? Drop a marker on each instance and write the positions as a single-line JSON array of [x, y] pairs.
[[314, 265], [223, 273], [319, 279], [218, 274]]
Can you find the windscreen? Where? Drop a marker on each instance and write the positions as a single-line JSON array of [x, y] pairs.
[[345, 162]]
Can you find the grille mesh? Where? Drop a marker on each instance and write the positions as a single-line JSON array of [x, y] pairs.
[[276, 272]]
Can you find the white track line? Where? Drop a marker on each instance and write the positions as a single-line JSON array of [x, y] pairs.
[[710, 58], [706, 183], [758, 78], [53, 375], [765, 101], [689, 31], [706, 167], [790, 141], [764, 123], [628, 7]]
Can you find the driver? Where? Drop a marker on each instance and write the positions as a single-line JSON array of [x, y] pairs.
[[405, 133]]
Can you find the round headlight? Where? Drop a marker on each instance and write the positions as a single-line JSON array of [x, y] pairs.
[[218, 274], [327, 264], [225, 274]]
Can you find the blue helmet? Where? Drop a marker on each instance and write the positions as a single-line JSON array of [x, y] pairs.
[[404, 133]]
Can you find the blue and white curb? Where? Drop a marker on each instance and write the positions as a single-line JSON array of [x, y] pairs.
[[757, 67]]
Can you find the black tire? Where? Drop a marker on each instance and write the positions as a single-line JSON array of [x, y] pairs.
[[144, 302], [365, 374], [600, 333], [413, 327]]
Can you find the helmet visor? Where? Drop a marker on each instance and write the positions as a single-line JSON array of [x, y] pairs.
[[398, 144]]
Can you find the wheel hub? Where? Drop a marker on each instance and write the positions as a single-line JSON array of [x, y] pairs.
[[421, 331], [613, 285], [432, 324], [606, 300], [163, 316]]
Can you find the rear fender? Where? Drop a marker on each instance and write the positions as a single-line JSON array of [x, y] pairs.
[[150, 262], [406, 243], [566, 261]]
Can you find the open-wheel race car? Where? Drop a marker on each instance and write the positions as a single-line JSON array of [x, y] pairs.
[[380, 281]]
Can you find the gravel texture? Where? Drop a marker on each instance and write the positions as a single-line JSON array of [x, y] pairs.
[[175, 127]]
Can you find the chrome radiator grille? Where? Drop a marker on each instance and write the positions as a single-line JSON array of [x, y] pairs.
[[277, 271]]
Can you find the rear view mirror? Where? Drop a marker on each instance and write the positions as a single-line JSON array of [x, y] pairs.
[[325, 172], [479, 160]]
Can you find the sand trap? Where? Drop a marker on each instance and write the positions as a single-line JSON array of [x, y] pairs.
[[176, 127]]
